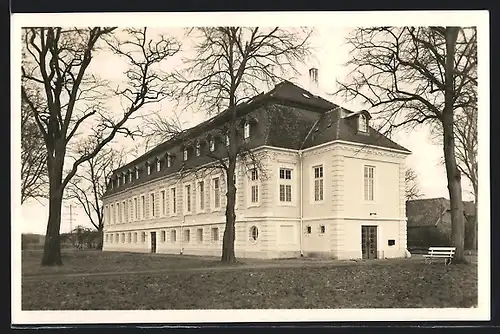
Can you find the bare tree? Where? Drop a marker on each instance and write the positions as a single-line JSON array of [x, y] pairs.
[[418, 75], [230, 65], [88, 186], [155, 129], [412, 190], [34, 178], [57, 61]]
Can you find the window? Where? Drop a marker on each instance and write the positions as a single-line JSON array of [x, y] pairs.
[[322, 229], [124, 208], [130, 176], [227, 140], [143, 239], [143, 207], [117, 237], [117, 181], [158, 165], [318, 183], [285, 185], [124, 178], [169, 160], [123, 237], [212, 145], [149, 168], [111, 183], [136, 209], [254, 186], [308, 229], [246, 130], [173, 201], [216, 192], [214, 236], [173, 236], [119, 212], [136, 173], [130, 210], [185, 154], [200, 235], [129, 238], [163, 203], [254, 233], [198, 149], [135, 237], [369, 183], [187, 235], [163, 236], [113, 214], [362, 123], [187, 197], [106, 217], [201, 195], [152, 204]]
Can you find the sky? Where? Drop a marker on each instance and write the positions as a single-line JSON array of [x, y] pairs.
[[330, 54]]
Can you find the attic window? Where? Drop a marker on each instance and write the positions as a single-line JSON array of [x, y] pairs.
[[111, 183], [185, 156], [129, 176], [246, 130], [169, 160], [158, 165], [212, 145], [362, 123], [136, 173], [306, 95], [198, 149], [149, 168]]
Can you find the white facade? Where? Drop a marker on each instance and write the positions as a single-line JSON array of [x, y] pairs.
[[312, 202]]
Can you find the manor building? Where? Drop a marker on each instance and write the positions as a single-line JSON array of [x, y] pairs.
[[329, 185]]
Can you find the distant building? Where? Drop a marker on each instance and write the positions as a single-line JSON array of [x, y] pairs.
[[429, 222], [334, 186]]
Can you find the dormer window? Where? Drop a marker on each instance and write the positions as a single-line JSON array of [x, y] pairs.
[[246, 130], [185, 154], [117, 181], [129, 176], [227, 140], [149, 168], [169, 160], [212, 145], [198, 149], [136, 173], [362, 123], [124, 178], [158, 165], [111, 183]]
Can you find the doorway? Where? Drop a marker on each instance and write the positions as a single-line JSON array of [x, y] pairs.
[[153, 242], [369, 242]]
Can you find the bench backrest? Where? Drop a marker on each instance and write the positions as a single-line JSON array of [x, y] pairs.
[[442, 250]]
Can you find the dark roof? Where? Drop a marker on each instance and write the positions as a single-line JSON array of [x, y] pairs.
[[333, 126], [289, 116], [425, 212], [428, 211]]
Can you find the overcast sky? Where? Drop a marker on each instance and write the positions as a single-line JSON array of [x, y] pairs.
[[331, 54]]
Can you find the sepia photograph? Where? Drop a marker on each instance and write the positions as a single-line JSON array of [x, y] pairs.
[[250, 167]]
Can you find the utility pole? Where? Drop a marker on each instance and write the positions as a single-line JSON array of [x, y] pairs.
[[70, 219]]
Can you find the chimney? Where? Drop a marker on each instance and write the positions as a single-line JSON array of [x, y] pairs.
[[313, 81]]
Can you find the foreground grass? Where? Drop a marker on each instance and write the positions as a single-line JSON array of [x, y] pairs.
[[357, 285], [92, 261]]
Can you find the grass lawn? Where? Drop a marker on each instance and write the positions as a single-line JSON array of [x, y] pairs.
[[92, 261], [385, 284]]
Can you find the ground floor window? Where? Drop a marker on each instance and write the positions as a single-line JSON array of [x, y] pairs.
[[117, 237], [187, 235], [163, 236], [143, 236], [173, 236], [254, 233], [129, 237], [215, 234], [135, 237], [200, 235]]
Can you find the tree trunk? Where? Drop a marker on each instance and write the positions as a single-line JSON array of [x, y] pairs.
[[100, 237], [229, 232], [52, 247], [452, 171], [474, 223]]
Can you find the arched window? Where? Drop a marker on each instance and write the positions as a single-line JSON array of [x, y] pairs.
[[363, 124], [254, 233]]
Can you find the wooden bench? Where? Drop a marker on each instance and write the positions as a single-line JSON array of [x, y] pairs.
[[445, 253]]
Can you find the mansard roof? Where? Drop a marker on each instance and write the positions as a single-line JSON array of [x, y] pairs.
[[288, 116]]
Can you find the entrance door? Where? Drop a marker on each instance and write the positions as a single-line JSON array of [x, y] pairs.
[[369, 242], [153, 242]]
